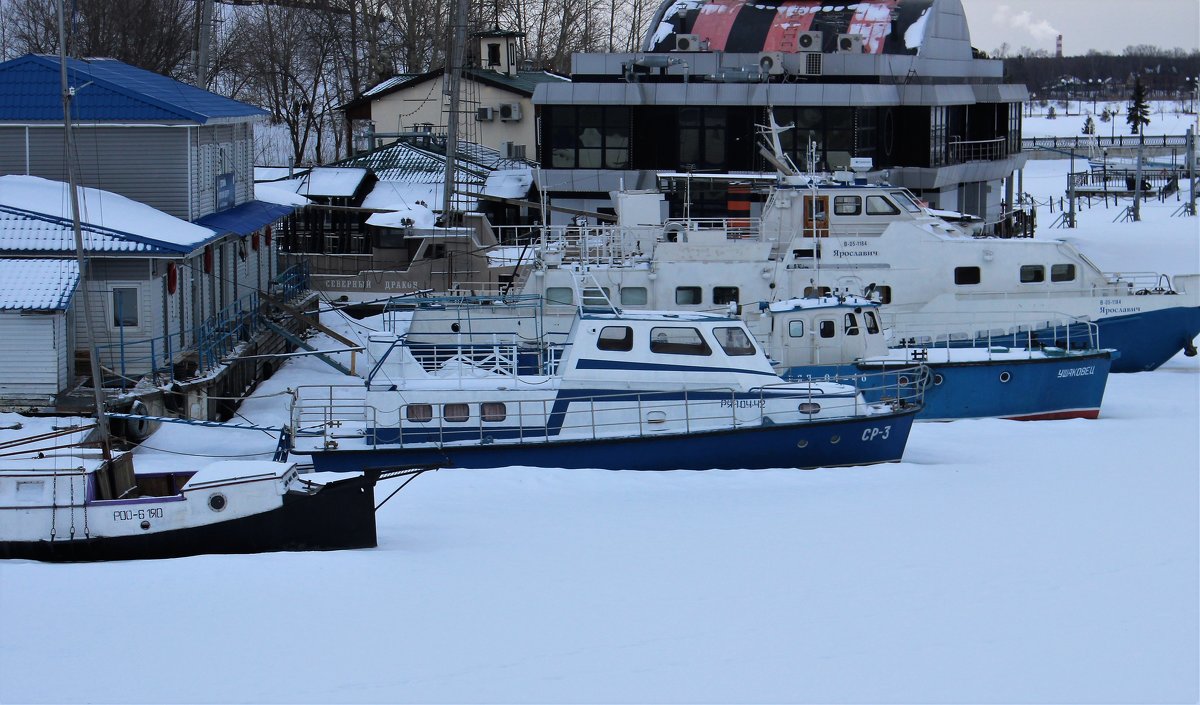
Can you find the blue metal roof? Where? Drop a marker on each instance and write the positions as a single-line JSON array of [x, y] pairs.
[[30, 233], [107, 90], [246, 218], [37, 284]]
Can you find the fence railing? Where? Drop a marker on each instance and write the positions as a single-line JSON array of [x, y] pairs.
[[978, 150], [1086, 141]]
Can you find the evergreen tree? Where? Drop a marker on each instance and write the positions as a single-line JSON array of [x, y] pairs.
[[1089, 126], [1050, 115], [1138, 115]]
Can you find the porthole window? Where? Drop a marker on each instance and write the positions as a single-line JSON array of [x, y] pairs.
[[419, 413], [493, 411], [809, 407], [937, 379], [903, 380], [801, 443], [1004, 376], [217, 502], [456, 413]]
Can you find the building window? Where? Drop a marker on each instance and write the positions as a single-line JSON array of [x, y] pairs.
[[455, 413], [725, 295], [796, 329], [702, 138], [678, 341], [688, 296], [591, 137], [1062, 272], [616, 338], [493, 49], [124, 307], [734, 341], [493, 411], [847, 205], [1032, 273], [966, 275], [937, 136], [419, 413], [633, 296]]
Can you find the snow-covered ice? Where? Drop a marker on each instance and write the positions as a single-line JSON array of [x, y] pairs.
[[1002, 561]]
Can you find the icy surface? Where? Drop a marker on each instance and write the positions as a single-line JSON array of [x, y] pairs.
[[1002, 561]]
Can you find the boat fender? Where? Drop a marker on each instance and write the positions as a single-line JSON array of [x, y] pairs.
[[138, 429]]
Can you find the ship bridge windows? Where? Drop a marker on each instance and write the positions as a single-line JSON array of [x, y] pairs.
[[1062, 272], [678, 341], [796, 329], [966, 275], [827, 328], [880, 205], [851, 324], [1032, 273], [906, 201], [734, 341], [615, 338], [847, 205], [723, 295]]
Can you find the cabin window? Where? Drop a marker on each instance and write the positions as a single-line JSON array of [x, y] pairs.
[[966, 275], [678, 341], [885, 294], [725, 295], [419, 413], [734, 341], [796, 329], [435, 251], [560, 295], [872, 322], [906, 201], [688, 295], [456, 413], [1062, 272], [811, 291], [847, 205], [851, 324], [125, 307], [633, 296], [827, 329], [1032, 273], [493, 411], [618, 338], [878, 205]]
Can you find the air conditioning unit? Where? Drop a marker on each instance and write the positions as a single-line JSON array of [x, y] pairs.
[[514, 151], [810, 63], [850, 43], [771, 62], [689, 42], [486, 114], [510, 111], [809, 41]]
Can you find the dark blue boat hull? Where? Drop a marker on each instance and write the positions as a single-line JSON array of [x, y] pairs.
[[1049, 388], [876, 439]]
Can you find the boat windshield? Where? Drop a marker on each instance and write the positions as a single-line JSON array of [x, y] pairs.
[[906, 201]]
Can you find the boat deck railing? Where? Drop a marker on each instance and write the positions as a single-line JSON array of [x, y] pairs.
[[1030, 330], [328, 417]]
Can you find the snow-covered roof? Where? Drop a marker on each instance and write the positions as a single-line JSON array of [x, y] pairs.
[[35, 216], [37, 284], [398, 195], [276, 173], [331, 181], [281, 192], [509, 183]]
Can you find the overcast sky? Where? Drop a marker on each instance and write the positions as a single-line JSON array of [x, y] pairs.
[[1103, 25]]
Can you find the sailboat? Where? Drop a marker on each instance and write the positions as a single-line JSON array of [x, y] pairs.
[[60, 501]]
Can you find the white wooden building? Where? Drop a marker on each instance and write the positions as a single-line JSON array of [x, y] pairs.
[[36, 346]]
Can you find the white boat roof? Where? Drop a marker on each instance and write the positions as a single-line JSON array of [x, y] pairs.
[[663, 316], [228, 470], [819, 302]]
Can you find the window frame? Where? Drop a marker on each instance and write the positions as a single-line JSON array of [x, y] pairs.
[[748, 349], [697, 290], [1036, 273], [492, 411], [1070, 268], [717, 301], [622, 344], [960, 271], [462, 417], [657, 343], [110, 304], [410, 417]]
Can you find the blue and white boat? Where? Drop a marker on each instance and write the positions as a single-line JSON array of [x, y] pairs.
[[642, 391], [843, 336]]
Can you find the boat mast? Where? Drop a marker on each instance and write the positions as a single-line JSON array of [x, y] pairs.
[[68, 136], [451, 87]]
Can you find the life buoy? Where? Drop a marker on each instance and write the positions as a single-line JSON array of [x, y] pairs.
[[267, 235], [254, 241], [172, 277], [208, 259]]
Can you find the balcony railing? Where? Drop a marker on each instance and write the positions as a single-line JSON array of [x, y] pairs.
[[978, 150]]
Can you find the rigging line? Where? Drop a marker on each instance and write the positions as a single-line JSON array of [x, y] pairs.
[[403, 485], [207, 455]]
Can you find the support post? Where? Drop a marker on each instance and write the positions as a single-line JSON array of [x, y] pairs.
[[1137, 187]]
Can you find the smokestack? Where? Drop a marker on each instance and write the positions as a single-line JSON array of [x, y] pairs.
[[1058, 49]]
